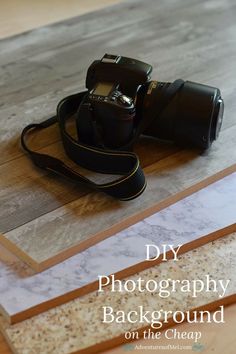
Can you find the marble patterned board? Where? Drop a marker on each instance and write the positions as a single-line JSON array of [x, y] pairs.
[[185, 222], [77, 326]]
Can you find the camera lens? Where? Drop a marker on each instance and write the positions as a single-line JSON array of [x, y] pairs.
[[193, 115]]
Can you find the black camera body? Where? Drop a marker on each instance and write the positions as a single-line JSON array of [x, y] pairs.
[[122, 102], [128, 73], [106, 116]]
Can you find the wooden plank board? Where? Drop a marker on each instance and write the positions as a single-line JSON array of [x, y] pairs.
[[200, 218], [35, 56], [34, 51], [19, 207], [58, 235], [72, 328]]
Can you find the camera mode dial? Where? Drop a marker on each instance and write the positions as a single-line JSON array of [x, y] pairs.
[[125, 100]]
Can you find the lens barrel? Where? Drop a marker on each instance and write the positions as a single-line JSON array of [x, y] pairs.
[[192, 117]]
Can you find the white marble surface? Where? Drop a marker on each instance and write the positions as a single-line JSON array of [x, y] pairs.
[[206, 211]]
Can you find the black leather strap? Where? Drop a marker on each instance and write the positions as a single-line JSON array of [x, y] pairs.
[[132, 181], [116, 162]]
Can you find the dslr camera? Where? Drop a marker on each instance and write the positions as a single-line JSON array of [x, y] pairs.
[[123, 102]]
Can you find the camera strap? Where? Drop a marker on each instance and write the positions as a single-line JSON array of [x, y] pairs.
[[131, 181]]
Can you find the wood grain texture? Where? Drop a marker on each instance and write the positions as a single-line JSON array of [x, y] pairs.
[[46, 216], [62, 233], [47, 192], [4, 348]]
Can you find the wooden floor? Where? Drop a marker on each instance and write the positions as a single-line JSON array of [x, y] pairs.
[[20, 16], [197, 40]]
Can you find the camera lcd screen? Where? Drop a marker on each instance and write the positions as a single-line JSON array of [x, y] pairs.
[[103, 89]]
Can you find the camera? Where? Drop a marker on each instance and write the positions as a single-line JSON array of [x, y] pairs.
[[123, 102]]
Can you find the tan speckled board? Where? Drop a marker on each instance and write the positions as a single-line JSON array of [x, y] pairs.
[[77, 326]]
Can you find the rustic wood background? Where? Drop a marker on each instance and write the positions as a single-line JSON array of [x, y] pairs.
[[194, 40]]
